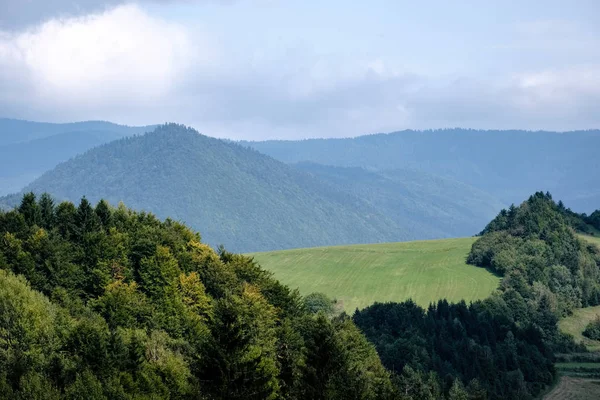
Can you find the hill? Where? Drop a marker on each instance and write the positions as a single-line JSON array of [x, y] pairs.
[[236, 196], [507, 164], [28, 149], [548, 272], [243, 199], [357, 276]]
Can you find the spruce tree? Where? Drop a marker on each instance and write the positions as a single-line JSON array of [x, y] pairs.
[[30, 210], [48, 214], [104, 214]]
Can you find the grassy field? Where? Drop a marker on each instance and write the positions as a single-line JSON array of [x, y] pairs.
[[593, 239], [360, 275], [576, 323]]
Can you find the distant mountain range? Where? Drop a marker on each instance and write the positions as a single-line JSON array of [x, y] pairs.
[[248, 201], [507, 164], [253, 196], [28, 149]]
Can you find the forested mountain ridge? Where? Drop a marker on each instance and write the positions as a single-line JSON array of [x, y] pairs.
[[248, 201], [28, 149], [21, 131], [414, 198], [236, 196], [508, 164], [101, 303]]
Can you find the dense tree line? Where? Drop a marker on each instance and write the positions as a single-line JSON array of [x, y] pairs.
[[480, 346], [99, 302], [107, 303], [501, 347]]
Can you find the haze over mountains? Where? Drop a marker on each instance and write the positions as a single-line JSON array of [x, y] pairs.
[[507, 164], [248, 201], [378, 188], [28, 149]]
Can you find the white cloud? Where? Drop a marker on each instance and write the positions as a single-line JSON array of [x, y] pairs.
[[122, 55]]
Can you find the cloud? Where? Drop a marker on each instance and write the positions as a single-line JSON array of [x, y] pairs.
[[120, 56], [126, 65]]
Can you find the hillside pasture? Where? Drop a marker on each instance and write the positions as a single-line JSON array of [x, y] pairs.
[[360, 275]]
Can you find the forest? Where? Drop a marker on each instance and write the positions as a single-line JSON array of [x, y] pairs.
[[508, 164], [107, 303], [103, 302]]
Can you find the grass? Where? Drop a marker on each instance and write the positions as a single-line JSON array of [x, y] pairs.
[[359, 275], [592, 239], [576, 323]]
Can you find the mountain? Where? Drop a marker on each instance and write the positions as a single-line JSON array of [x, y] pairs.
[[426, 205], [20, 131], [506, 164], [236, 196], [247, 201], [28, 149]]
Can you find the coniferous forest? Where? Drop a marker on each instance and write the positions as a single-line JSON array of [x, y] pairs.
[[99, 302], [105, 303]]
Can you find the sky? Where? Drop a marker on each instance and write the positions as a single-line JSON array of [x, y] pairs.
[[265, 69]]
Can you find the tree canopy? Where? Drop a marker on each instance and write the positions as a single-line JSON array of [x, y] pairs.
[[99, 302]]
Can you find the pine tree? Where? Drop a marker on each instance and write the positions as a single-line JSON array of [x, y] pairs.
[[48, 213], [104, 214], [86, 220], [457, 391], [30, 210]]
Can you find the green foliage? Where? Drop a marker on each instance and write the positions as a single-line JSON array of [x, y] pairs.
[[592, 330], [105, 303], [594, 219], [474, 351], [536, 243], [319, 302], [501, 347], [28, 149]]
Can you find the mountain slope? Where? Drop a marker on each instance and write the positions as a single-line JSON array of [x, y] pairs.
[[28, 149], [427, 205], [235, 196], [507, 164]]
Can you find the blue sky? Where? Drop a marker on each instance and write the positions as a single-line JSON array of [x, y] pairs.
[[294, 69]]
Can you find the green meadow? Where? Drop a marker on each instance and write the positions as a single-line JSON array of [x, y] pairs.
[[575, 324], [359, 275]]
